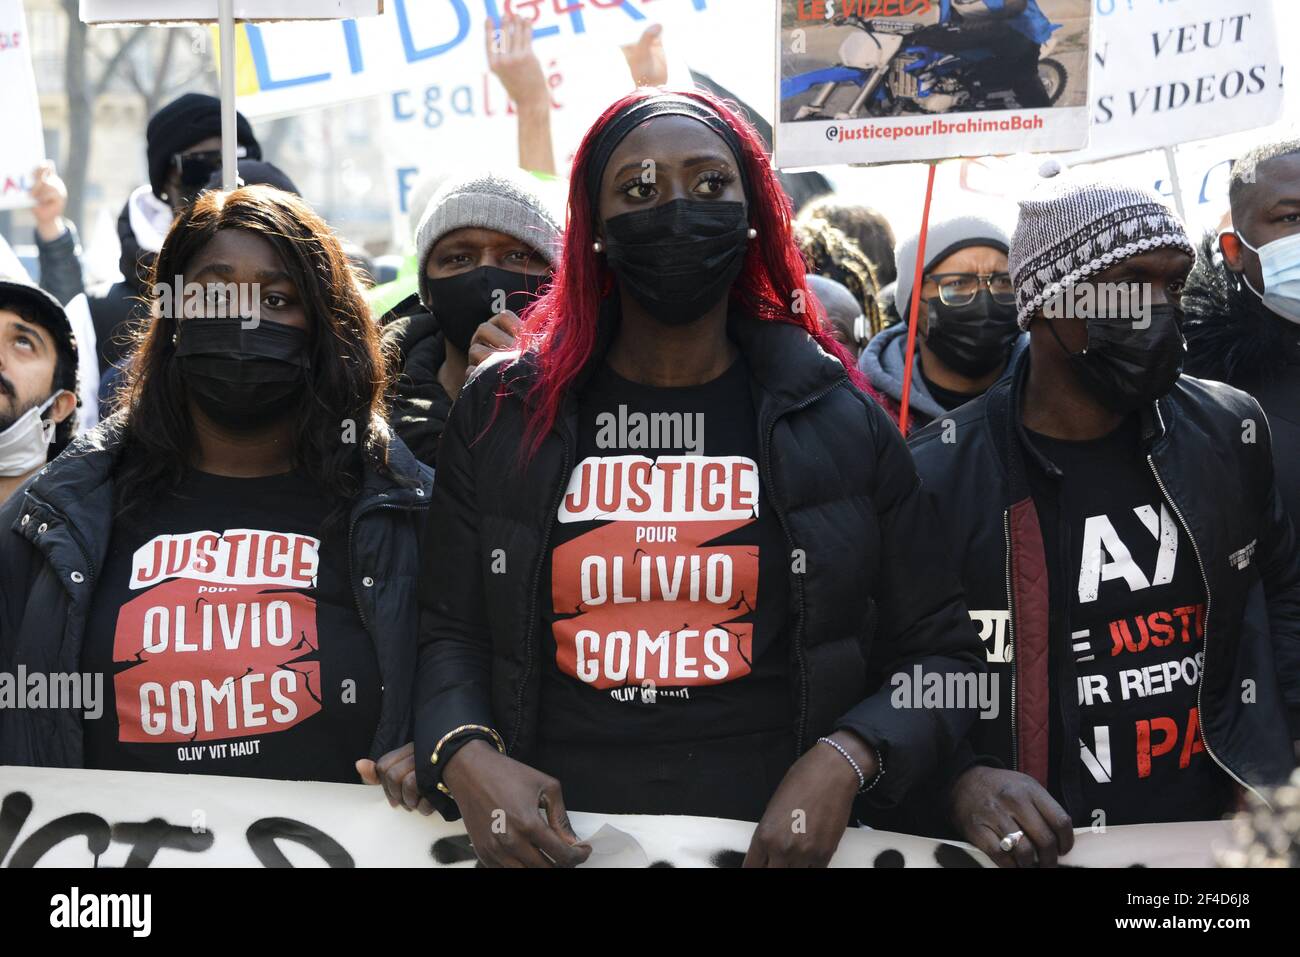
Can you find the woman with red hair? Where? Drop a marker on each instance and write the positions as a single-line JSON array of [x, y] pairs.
[[677, 549]]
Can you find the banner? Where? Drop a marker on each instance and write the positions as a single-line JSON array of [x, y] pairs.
[[880, 81], [77, 818], [1170, 73], [22, 148], [191, 11]]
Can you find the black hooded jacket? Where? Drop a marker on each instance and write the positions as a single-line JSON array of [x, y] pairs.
[[1222, 491], [1232, 337], [54, 535], [871, 600], [116, 307], [420, 405]]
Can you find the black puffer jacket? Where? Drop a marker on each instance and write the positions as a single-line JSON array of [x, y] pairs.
[[53, 539], [1222, 491], [1233, 338], [420, 405], [840, 480]]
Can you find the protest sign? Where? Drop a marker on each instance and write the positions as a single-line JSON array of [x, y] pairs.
[[191, 11], [438, 45], [1167, 74], [23, 146], [878, 81], [80, 818]]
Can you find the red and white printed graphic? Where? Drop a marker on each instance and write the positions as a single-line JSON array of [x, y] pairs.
[[652, 598], [223, 643]]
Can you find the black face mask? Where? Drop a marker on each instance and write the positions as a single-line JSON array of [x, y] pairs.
[[974, 339], [1125, 368], [242, 378], [679, 259], [463, 303]]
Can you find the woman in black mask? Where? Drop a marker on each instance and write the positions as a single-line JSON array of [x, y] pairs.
[[484, 245], [235, 548], [676, 551], [966, 326]]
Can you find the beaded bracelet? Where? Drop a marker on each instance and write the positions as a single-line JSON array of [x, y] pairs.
[[863, 785]]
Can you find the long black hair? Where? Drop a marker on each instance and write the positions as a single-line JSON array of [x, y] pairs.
[[341, 414]]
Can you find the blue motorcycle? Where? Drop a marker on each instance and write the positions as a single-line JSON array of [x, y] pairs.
[[893, 67]]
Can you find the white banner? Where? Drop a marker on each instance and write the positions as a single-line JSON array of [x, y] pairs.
[[76, 818], [195, 11], [884, 81], [1169, 73], [22, 148]]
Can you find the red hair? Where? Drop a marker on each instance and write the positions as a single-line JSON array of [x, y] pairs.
[[560, 327]]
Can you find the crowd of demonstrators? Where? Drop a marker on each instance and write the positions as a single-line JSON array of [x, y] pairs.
[[252, 451], [1243, 301], [966, 323], [677, 295], [613, 513], [485, 245], [1125, 545]]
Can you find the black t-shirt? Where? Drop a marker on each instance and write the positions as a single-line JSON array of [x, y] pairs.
[[232, 638], [1136, 638], [667, 614], [947, 398]]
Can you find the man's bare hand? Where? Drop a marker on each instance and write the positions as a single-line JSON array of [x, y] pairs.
[[51, 198]]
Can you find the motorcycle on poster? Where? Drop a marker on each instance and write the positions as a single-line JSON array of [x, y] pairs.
[[877, 81]]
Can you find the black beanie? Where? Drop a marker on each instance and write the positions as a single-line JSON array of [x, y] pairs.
[[258, 172], [182, 123]]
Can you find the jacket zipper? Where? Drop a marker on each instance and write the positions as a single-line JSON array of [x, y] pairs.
[[532, 610], [1205, 646], [1011, 636], [780, 515]]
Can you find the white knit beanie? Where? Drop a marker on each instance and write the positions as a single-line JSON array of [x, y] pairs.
[[944, 237], [1071, 228], [508, 201]]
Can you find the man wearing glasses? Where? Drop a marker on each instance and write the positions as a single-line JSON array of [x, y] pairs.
[[966, 325]]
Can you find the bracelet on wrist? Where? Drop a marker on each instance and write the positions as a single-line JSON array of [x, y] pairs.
[[475, 730], [863, 784]]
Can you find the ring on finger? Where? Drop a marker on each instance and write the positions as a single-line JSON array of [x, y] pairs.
[[1011, 841]]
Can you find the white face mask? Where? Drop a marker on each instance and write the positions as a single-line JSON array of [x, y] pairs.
[[25, 444], [1280, 263]]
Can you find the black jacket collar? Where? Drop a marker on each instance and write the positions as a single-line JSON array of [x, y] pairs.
[[1003, 403], [785, 362]]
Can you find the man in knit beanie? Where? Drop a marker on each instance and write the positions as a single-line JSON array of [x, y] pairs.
[[1100, 499], [966, 320], [485, 245]]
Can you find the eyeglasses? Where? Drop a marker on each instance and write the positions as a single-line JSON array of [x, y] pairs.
[[196, 169], [960, 288]]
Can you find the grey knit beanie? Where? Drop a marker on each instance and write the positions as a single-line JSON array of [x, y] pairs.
[[1071, 228], [508, 201], [945, 237]]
